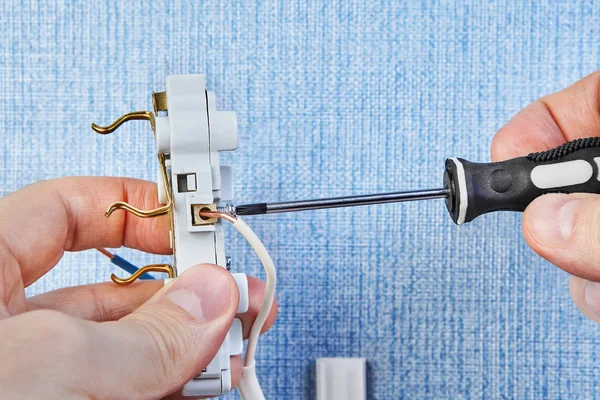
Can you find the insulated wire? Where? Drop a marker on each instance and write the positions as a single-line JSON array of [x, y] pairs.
[[123, 263], [249, 386], [271, 281]]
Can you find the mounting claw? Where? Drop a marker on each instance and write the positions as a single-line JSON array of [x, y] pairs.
[[168, 269], [136, 115]]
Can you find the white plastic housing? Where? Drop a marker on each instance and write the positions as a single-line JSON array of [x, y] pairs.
[[341, 378], [191, 135]]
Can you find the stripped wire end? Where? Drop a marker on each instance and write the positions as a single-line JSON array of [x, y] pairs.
[[124, 264], [218, 214], [106, 252]]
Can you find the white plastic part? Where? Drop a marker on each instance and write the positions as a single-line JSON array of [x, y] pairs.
[[462, 192], [226, 183], [163, 138], [341, 378], [242, 284], [561, 174], [192, 134], [236, 336], [597, 161], [190, 152]]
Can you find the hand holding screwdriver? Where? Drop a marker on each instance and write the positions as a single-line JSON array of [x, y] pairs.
[[564, 229], [534, 169]]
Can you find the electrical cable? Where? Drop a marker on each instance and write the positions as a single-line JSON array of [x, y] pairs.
[[124, 264], [249, 386]]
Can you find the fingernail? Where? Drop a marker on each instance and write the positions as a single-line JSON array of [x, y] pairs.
[[203, 291], [551, 219], [592, 297]]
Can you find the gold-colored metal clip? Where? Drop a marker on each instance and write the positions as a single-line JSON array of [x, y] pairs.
[[159, 102], [156, 212], [121, 205], [168, 269], [136, 115]]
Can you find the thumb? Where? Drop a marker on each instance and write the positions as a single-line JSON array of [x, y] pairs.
[[169, 339], [565, 230]]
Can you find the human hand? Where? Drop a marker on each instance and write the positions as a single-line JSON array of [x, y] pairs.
[[564, 229], [102, 341]]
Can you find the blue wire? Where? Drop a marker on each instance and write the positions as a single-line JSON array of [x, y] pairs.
[[129, 267]]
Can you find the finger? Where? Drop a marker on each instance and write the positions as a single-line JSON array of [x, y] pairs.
[[68, 215], [256, 288], [532, 129], [586, 296], [108, 302], [177, 332], [570, 114], [97, 302], [147, 354], [564, 229]]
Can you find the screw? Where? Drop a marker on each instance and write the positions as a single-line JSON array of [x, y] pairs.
[[228, 208]]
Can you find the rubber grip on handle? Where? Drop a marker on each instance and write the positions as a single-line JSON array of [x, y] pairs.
[[479, 188]]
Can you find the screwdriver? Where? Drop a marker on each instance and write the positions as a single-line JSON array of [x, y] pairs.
[[472, 189]]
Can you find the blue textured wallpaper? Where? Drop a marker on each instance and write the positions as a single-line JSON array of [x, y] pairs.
[[333, 98]]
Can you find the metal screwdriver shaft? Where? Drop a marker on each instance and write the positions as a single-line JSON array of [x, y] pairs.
[[303, 205], [473, 189]]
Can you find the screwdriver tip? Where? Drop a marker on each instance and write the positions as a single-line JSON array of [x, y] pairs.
[[251, 209]]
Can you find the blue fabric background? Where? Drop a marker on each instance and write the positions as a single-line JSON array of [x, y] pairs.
[[340, 97]]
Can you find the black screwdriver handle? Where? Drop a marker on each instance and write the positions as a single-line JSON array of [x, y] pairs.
[[479, 188]]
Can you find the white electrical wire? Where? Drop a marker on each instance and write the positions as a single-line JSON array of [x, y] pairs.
[[249, 386]]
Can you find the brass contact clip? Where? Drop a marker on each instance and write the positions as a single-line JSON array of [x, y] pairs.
[[136, 115], [168, 269]]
